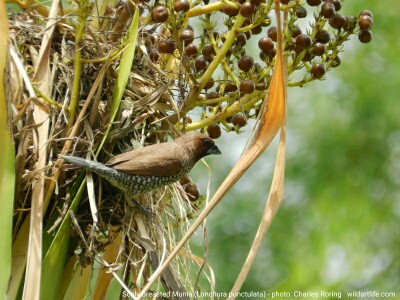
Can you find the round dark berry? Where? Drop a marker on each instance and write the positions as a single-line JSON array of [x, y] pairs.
[[314, 2], [241, 39], [318, 70], [200, 63], [336, 3], [272, 53], [245, 63], [297, 49], [285, 1], [230, 87], [167, 46], [184, 180], [159, 14], [322, 36], [365, 22], [247, 86], [191, 50], [256, 30], [273, 33], [230, 10], [208, 51], [214, 131], [266, 44], [248, 34], [263, 55], [301, 12], [223, 38], [239, 120], [181, 5], [328, 10], [209, 84], [215, 34], [192, 191], [365, 36], [303, 41], [337, 21], [212, 95], [186, 36], [318, 49], [366, 12], [296, 31], [247, 9]]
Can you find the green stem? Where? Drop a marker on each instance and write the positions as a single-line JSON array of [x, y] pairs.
[[206, 9], [82, 15], [47, 99], [246, 103]]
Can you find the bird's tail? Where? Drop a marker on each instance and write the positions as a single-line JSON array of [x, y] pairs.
[[108, 173], [85, 163]]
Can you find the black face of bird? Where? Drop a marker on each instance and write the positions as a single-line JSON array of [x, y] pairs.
[[210, 145]]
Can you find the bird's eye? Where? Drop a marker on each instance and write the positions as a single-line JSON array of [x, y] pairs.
[[208, 143]]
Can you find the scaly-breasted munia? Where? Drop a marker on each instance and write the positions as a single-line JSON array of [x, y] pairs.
[[144, 169]]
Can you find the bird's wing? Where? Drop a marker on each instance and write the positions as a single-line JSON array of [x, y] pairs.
[[163, 159]]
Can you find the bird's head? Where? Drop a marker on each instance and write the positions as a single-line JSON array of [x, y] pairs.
[[198, 144]]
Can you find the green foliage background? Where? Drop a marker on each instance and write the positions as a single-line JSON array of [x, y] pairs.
[[338, 228]]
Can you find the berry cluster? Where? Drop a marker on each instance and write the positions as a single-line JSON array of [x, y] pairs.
[[190, 188], [215, 68], [365, 20]]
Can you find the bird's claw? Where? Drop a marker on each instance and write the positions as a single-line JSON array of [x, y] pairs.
[[145, 210]]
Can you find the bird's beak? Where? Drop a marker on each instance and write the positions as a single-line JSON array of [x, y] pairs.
[[213, 150]]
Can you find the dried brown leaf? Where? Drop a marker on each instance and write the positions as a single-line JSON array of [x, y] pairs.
[[277, 93], [42, 75]]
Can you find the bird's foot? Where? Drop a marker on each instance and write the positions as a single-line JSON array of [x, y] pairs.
[[145, 210]]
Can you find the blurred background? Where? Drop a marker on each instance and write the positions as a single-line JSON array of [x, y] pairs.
[[338, 227]]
